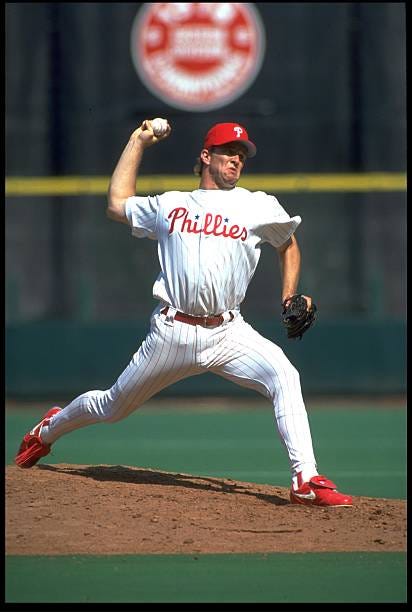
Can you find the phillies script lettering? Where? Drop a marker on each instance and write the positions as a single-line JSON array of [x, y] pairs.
[[213, 224]]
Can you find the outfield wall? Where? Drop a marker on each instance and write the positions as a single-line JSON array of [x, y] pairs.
[[66, 358]]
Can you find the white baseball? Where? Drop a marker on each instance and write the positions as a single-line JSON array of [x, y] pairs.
[[159, 126]]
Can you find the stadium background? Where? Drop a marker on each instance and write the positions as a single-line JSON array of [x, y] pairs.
[[329, 105]]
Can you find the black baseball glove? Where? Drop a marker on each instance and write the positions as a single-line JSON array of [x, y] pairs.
[[297, 317]]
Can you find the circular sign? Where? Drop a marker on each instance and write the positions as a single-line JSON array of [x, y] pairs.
[[197, 56]]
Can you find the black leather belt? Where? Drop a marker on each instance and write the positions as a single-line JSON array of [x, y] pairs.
[[213, 321]]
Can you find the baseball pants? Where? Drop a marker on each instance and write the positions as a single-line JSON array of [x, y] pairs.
[[175, 350]]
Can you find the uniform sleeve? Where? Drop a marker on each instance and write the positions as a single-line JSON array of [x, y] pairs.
[[142, 215], [276, 226]]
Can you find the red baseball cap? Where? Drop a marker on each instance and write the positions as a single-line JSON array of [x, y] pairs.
[[222, 133]]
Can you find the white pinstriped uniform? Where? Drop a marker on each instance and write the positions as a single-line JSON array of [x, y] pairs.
[[208, 246]]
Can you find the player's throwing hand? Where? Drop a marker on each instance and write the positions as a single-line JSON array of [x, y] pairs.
[[147, 136]]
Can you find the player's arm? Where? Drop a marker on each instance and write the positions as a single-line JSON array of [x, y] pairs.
[[290, 260], [123, 181]]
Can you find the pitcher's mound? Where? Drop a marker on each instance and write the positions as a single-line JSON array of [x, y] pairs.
[[115, 509]]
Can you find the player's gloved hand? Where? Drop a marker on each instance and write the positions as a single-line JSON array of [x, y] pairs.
[[298, 315], [146, 136]]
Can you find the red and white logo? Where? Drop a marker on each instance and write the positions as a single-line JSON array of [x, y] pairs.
[[197, 56]]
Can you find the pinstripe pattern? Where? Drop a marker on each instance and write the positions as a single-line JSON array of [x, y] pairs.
[[234, 351], [209, 247]]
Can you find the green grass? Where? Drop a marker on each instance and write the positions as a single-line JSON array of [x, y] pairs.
[[282, 578], [364, 451]]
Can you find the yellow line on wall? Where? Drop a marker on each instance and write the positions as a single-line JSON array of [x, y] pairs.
[[158, 183]]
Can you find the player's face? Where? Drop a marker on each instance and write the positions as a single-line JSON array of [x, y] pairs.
[[226, 163]]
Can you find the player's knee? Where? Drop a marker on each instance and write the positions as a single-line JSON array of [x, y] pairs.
[[292, 377], [287, 377], [104, 406]]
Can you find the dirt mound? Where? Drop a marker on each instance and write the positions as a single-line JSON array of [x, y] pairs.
[[115, 509]]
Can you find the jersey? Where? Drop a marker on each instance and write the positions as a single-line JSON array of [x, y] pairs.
[[209, 243]]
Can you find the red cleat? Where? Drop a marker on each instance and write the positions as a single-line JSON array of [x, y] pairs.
[[319, 491], [32, 448]]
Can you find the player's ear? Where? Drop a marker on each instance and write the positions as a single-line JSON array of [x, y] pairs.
[[205, 156]]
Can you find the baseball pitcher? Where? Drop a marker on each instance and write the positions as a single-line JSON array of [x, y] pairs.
[[209, 244]]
